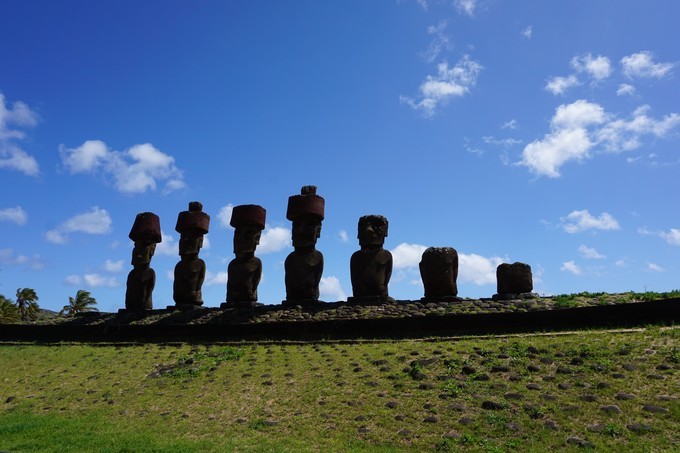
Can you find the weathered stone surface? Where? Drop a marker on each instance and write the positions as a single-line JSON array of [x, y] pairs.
[[514, 278], [371, 266], [439, 272]]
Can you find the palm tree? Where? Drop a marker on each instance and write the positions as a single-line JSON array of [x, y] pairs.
[[83, 302], [27, 304], [9, 312]]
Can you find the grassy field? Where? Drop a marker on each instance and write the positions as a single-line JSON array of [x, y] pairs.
[[613, 391]]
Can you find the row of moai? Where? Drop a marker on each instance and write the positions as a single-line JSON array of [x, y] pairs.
[[370, 267]]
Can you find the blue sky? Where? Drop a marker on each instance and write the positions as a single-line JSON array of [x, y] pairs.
[[541, 132]]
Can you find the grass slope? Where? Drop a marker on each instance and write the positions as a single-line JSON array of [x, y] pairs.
[[615, 391]]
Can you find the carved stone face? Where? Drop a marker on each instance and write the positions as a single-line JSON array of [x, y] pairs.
[[372, 232], [246, 239], [190, 243], [306, 230], [142, 253]]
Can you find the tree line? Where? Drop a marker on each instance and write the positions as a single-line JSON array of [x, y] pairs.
[[26, 309]]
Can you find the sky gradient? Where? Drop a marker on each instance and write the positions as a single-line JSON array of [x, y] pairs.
[[540, 132]]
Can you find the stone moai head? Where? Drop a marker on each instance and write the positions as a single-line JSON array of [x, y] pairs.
[[192, 225], [146, 233], [248, 221], [372, 231], [306, 211], [439, 272], [514, 278]]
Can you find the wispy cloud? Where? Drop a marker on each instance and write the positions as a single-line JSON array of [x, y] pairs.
[[625, 89], [9, 258], [224, 216], [447, 84], [440, 41], [344, 237], [578, 221], [135, 170], [114, 266], [570, 266], [598, 68], [466, 7], [642, 65], [671, 236], [92, 281], [578, 128], [96, 221], [559, 85], [13, 119], [15, 215], [590, 253], [653, 267], [527, 32]]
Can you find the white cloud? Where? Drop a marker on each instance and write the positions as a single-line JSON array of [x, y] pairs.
[[330, 289], [441, 41], [16, 215], [653, 267], [273, 240], [490, 140], [590, 253], [581, 126], [446, 85], [527, 32], [621, 263], [599, 68], [672, 237], [215, 279], [73, 280], [642, 64], [512, 124], [478, 269], [625, 89], [570, 266], [96, 221], [423, 4], [578, 221], [18, 115], [135, 170], [92, 281], [344, 237], [466, 7], [560, 85], [114, 266], [9, 258], [98, 281], [407, 255], [224, 216], [168, 246]]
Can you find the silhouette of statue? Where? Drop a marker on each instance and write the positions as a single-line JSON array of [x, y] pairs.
[[304, 265], [146, 233], [371, 267], [439, 272], [245, 271], [190, 271]]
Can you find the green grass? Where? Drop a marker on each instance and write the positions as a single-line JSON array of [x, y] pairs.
[[403, 395]]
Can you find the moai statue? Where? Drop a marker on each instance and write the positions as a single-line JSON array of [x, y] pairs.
[[146, 233], [514, 281], [245, 271], [371, 267], [439, 272], [190, 271], [304, 266]]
